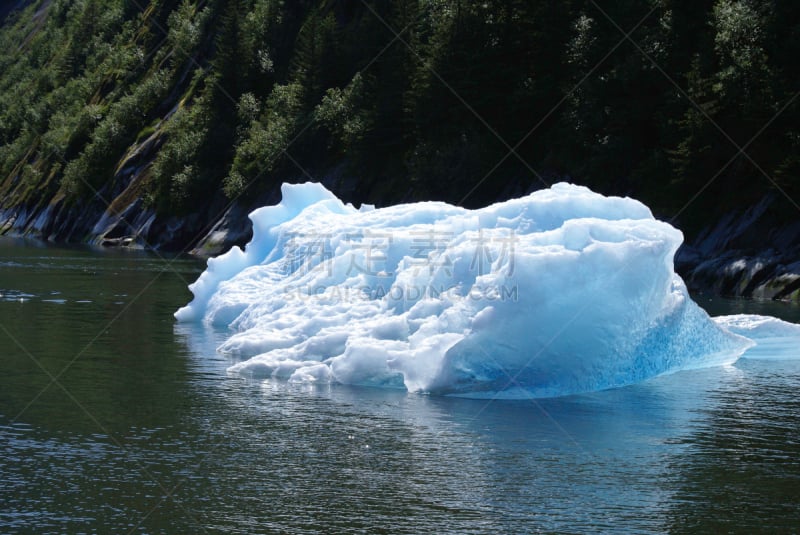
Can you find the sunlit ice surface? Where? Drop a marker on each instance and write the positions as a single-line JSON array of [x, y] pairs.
[[559, 292]]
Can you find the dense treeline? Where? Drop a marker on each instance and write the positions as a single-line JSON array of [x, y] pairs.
[[429, 99]]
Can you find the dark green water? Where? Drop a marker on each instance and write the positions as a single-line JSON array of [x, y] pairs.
[[113, 419]]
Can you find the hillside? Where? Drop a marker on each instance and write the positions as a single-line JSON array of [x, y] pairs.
[[163, 123]]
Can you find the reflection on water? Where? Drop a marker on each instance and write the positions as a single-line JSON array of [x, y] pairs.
[[741, 470], [149, 434]]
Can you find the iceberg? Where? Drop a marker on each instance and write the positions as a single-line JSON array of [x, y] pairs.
[[559, 292]]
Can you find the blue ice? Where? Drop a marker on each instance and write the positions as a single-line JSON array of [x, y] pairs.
[[559, 292]]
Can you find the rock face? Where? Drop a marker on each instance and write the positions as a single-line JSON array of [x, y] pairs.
[[119, 216], [752, 254], [128, 222]]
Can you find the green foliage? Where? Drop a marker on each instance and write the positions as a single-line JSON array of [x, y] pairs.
[[265, 140], [175, 171], [313, 55], [739, 37], [114, 132], [186, 29], [342, 112], [71, 129], [248, 108], [451, 99]]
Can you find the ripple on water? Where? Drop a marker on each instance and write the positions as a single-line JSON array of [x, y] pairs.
[[15, 295]]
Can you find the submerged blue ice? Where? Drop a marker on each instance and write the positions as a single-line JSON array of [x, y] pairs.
[[559, 292]]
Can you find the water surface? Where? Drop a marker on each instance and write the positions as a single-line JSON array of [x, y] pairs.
[[114, 419]]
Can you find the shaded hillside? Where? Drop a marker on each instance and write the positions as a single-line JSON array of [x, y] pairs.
[[9, 7], [130, 120]]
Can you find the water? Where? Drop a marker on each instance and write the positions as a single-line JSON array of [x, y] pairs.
[[143, 431]]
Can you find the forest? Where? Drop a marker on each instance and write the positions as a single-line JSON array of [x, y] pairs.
[[190, 107]]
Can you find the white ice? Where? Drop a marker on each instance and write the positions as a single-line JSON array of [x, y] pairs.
[[558, 292], [774, 338]]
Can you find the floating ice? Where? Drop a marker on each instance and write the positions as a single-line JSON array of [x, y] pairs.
[[774, 338], [559, 292]]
